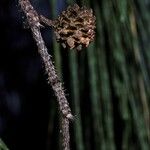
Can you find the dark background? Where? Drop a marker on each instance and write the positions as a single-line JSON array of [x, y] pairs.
[[24, 93]]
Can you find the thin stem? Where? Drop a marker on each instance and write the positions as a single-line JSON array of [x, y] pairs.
[[46, 21], [34, 23], [65, 133]]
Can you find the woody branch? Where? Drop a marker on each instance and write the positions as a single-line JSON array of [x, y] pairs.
[[34, 24]]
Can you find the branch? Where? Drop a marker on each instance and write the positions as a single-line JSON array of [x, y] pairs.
[[46, 21], [34, 24]]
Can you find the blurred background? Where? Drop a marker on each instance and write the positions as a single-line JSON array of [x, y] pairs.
[[107, 84]]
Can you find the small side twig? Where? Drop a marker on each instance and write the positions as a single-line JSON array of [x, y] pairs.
[[46, 21], [34, 23]]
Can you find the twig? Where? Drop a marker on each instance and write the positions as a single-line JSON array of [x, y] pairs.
[[46, 21], [65, 133], [34, 23]]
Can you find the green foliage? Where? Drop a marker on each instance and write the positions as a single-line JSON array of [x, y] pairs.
[[109, 82], [2, 145]]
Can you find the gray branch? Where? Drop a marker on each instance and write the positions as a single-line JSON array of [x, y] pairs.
[[34, 23]]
